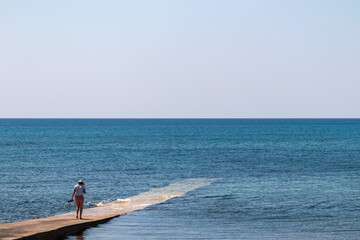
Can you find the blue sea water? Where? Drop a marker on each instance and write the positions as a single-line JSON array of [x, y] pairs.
[[276, 178]]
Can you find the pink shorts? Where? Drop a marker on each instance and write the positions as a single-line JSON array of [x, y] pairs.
[[79, 198]]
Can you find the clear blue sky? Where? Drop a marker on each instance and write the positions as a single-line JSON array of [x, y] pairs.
[[185, 58]]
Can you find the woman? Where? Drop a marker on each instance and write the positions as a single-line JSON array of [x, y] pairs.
[[79, 191]]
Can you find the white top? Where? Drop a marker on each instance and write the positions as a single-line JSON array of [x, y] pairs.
[[79, 189]]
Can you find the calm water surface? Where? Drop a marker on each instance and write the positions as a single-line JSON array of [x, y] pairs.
[[277, 178]]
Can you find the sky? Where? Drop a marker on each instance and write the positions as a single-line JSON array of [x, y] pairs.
[[180, 59]]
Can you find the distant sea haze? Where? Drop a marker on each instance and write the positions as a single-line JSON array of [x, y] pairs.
[[275, 178]]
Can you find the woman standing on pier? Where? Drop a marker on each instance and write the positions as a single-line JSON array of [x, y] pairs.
[[79, 191]]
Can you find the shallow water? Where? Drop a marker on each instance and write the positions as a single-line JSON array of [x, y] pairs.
[[277, 178], [152, 197]]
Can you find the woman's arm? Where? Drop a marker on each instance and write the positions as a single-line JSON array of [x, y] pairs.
[[73, 194], [84, 191]]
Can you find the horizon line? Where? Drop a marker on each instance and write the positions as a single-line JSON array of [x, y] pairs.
[[174, 118]]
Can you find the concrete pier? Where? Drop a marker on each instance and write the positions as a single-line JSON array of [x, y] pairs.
[[49, 228]]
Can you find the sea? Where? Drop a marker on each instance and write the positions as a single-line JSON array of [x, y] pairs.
[[214, 178]]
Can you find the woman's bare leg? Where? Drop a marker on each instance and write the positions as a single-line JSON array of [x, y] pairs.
[[81, 209], [77, 209]]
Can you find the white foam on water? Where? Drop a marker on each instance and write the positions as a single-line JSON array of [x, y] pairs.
[[151, 197], [100, 204]]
